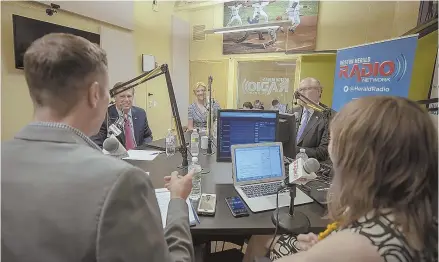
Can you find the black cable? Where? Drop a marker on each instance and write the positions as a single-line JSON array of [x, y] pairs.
[[277, 221], [188, 147], [321, 179]]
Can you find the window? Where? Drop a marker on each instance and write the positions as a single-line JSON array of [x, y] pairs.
[[266, 81]]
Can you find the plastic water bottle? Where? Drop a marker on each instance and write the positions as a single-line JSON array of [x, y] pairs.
[[302, 154], [170, 143], [196, 179], [195, 141]]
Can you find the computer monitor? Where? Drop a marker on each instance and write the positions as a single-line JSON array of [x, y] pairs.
[[237, 127], [287, 134]]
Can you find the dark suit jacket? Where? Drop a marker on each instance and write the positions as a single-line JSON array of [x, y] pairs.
[[315, 138], [142, 132], [64, 200]]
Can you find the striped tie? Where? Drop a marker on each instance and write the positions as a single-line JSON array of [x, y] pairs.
[[303, 123]]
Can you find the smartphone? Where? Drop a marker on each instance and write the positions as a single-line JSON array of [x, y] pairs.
[[207, 205], [237, 206]]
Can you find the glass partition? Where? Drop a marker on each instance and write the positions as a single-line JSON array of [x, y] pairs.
[[266, 84]]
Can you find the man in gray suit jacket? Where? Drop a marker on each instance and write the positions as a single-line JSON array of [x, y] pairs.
[[312, 127], [62, 199]]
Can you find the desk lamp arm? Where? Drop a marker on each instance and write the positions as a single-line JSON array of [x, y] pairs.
[[158, 71]]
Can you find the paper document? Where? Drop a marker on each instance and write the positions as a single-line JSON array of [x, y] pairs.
[[142, 154], [163, 197]]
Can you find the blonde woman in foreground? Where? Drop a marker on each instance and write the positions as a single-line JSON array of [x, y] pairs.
[[384, 192]]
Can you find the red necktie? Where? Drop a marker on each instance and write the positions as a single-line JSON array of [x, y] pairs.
[[129, 140]]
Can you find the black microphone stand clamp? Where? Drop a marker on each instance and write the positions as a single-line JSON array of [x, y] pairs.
[[158, 71]]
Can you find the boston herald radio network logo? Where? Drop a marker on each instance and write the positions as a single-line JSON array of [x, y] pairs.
[[372, 76], [266, 86], [367, 71]]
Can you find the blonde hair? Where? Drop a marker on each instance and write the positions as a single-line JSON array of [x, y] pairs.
[[198, 85], [384, 151]]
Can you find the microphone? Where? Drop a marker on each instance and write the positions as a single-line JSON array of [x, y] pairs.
[[301, 172], [113, 147], [286, 218], [117, 127]]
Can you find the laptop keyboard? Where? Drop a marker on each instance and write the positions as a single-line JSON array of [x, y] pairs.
[[264, 189]]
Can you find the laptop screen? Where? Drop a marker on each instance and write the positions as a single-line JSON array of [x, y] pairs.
[[258, 163]]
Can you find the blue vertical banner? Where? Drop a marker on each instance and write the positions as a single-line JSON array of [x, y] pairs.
[[382, 68]]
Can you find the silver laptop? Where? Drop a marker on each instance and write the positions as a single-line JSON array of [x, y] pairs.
[[258, 172]]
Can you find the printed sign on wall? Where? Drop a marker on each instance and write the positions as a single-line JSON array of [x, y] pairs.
[[382, 68], [265, 81], [266, 86]]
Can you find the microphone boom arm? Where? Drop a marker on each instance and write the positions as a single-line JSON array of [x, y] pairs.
[[308, 102], [327, 112], [209, 120], [158, 71]]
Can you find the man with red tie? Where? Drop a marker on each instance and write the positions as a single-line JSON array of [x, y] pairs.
[[135, 131]]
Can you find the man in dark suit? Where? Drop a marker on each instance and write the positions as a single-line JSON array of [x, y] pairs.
[[312, 127], [135, 131], [62, 198]]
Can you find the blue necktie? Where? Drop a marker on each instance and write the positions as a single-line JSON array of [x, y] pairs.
[[303, 123]]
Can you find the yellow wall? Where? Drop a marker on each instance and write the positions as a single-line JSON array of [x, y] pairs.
[[16, 106], [152, 35], [218, 71], [321, 67], [340, 24], [423, 67]]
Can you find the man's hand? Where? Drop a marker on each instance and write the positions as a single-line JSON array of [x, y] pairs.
[[179, 186], [305, 242]]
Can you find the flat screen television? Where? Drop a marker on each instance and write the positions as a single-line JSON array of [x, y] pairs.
[[27, 30]]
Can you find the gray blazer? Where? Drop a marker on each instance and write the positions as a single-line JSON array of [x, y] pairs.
[[63, 200], [315, 138]]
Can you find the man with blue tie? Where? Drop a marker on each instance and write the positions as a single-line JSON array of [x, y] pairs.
[[312, 129], [135, 131]]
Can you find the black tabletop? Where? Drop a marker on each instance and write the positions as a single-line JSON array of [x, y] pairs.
[[218, 180]]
